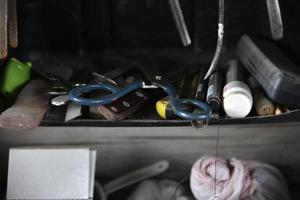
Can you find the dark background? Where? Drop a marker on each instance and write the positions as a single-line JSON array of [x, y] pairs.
[[134, 25]]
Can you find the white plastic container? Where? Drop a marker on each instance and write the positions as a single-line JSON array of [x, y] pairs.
[[237, 99]]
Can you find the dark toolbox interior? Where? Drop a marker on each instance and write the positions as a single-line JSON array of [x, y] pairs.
[[101, 35], [97, 36]]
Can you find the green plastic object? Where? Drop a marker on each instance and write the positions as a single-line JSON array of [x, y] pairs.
[[15, 75]]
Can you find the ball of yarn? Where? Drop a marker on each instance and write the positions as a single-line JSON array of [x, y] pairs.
[[217, 178]]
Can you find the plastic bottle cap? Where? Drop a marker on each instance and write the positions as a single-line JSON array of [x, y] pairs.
[[238, 100]]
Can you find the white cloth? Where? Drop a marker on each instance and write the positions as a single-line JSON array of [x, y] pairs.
[[159, 190], [236, 180]]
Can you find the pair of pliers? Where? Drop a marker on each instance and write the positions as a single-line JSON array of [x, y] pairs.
[[155, 80]]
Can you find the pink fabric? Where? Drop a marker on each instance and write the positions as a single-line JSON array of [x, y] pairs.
[[236, 180]]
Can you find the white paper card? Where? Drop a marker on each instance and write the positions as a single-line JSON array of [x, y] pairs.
[[51, 173]]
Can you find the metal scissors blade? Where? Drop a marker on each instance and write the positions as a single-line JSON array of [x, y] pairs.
[[218, 52]]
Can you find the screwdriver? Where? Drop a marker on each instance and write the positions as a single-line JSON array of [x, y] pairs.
[[180, 22]]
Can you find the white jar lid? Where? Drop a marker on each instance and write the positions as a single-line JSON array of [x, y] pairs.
[[238, 99]]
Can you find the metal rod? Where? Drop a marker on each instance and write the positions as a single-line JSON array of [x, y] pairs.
[[180, 22], [3, 29], [136, 176], [275, 18], [12, 23], [217, 55]]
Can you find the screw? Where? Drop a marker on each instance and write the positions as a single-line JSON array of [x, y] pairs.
[[139, 94], [158, 77], [114, 109], [126, 104]]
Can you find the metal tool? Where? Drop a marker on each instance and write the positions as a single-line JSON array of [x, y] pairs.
[[29, 108], [73, 111], [61, 89], [214, 91], [218, 52], [8, 26], [12, 23], [202, 86], [275, 18], [134, 177], [157, 80], [60, 100], [111, 75], [3, 28], [121, 108], [186, 89], [201, 94], [180, 22]]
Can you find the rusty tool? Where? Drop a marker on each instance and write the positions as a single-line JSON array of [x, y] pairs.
[[275, 18], [3, 28], [12, 24], [180, 22], [29, 108], [8, 26]]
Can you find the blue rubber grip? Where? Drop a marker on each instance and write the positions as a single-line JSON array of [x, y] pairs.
[[115, 93], [205, 114]]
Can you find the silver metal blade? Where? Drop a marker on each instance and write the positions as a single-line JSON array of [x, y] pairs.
[[275, 18], [218, 52], [3, 29]]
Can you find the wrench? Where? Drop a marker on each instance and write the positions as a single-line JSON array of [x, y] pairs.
[[275, 18]]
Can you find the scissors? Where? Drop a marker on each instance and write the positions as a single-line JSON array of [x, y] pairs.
[[155, 80]]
